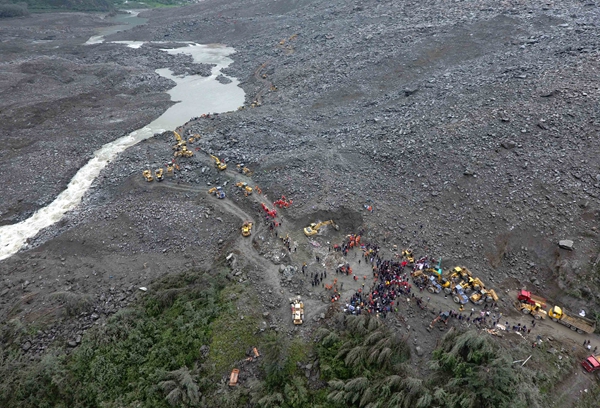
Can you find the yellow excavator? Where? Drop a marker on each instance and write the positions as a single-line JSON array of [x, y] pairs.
[[159, 174], [245, 187], [483, 295], [407, 255], [217, 192], [179, 140], [313, 229], [246, 229], [534, 310], [180, 148], [148, 175], [241, 168], [183, 152], [221, 165]]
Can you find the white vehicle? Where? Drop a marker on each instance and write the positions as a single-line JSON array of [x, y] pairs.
[[297, 310]]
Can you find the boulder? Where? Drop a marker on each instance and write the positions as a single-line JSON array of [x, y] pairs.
[[566, 244]]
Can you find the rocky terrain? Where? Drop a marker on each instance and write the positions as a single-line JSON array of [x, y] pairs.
[[470, 127]]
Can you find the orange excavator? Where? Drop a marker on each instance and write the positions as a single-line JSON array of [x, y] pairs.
[[444, 316]]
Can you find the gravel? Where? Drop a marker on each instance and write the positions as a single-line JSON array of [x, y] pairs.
[[470, 128]]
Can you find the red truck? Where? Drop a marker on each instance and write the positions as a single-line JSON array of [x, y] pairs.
[[591, 364], [525, 296]]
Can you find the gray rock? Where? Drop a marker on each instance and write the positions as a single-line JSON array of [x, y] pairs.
[[566, 244], [509, 145], [410, 90], [223, 79], [72, 343], [26, 346], [419, 351]]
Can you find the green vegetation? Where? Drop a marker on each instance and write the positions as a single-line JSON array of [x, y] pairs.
[[148, 354], [13, 10], [233, 332], [74, 5], [175, 346]]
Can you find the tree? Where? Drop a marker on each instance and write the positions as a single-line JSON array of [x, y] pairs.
[[181, 388], [275, 359]]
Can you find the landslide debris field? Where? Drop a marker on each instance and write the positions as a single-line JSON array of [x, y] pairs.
[[469, 128]]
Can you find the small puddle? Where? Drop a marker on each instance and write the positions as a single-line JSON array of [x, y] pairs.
[[196, 95]]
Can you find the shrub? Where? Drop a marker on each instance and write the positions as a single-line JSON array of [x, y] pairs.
[[13, 10]]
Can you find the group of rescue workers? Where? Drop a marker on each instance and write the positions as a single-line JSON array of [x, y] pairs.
[[389, 287]]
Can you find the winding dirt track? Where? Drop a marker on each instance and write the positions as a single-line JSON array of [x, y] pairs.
[[266, 270]]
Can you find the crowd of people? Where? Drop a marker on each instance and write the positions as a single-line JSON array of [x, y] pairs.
[[390, 287]]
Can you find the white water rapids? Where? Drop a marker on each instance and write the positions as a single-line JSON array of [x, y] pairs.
[[196, 94]]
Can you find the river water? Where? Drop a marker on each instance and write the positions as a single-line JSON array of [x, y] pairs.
[[122, 21], [196, 95]]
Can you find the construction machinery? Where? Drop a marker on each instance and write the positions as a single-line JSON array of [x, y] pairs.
[[245, 188], [591, 364], [313, 229], [179, 140], [460, 273], [408, 256], [419, 278], [158, 173], [433, 285], [219, 164], [241, 168], [180, 147], [217, 192], [233, 378], [193, 138], [444, 316], [297, 309], [170, 169], [457, 275], [183, 152], [483, 295], [459, 295], [580, 324], [534, 310], [436, 281], [148, 175], [246, 228], [471, 286], [527, 297], [462, 283]]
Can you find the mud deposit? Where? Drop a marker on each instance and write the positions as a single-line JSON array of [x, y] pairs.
[[468, 131]]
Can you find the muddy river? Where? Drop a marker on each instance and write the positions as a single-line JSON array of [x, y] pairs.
[[195, 95]]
